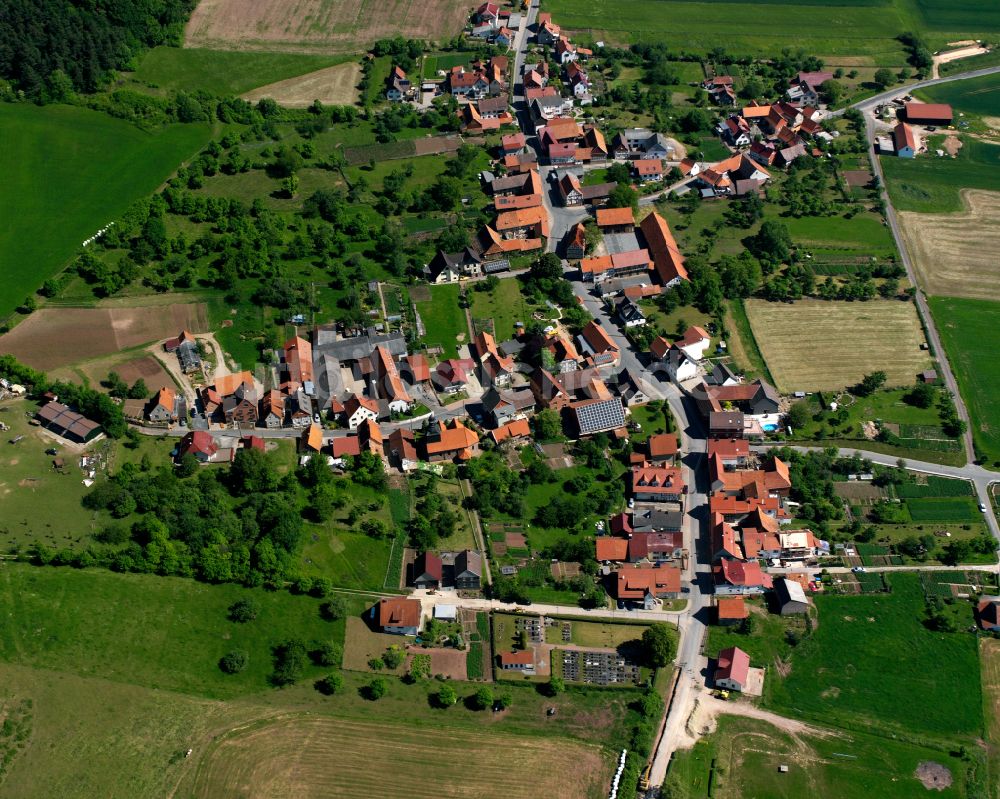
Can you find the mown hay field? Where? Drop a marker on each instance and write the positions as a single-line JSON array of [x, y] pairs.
[[328, 757], [337, 85], [319, 25], [955, 254], [813, 345]]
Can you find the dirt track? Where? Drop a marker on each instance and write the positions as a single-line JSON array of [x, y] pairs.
[[954, 254], [320, 26], [331, 86]]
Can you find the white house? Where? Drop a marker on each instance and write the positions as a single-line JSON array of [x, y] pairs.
[[360, 409], [694, 343], [680, 365]]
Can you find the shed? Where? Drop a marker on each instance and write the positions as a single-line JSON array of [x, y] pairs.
[[446, 612], [791, 597]]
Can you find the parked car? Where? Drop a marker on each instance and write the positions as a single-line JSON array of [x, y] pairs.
[[859, 570], [982, 507]]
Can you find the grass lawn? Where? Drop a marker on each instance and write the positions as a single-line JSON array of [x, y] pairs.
[[968, 330], [711, 149], [598, 634], [840, 672], [39, 504], [765, 644], [224, 73], [444, 61], [918, 429], [862, 232], [933, 185], [989, 651], [68, 172], [443, 320], [505, 305], [653, 421], [741, 759], [157, 632]]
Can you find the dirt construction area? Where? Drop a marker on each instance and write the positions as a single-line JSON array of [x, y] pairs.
[[331, 86], [327, 758], [319, 25], [54, 337], [814, 345], [955, 254]]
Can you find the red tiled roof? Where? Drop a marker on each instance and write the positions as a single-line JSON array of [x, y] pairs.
[[523, 657], [663, 445], [734, 664], [609, 548], [667, 257], [732, 607], [399, 612], [613, 217]]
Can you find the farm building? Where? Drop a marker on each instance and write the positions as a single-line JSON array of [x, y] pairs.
[[398, 616], [733, 669], [928, 113], [791, 597], [57, 418]]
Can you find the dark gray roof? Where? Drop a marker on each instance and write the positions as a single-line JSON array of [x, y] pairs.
[[519, 399], [599, 416], [719, 375], [653, 521], [597, 191], [500, 265], [358, 347], [468, 561]]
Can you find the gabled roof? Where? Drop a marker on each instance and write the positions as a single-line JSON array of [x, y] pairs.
[[519, 428], [165, 398], [662, 445], [427, 564], [734, 664], [635, 583], [667, 258], [456, 438], [597, 338], [312, 438], [609, 548], [748, 575], [614, 217], [902, 136], [227, 384], [345, 445], [732, 608], [398, 612]]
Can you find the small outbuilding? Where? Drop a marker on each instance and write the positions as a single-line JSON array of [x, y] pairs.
[[733, 669]]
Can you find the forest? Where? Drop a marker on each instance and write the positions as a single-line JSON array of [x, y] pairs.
[[51, 48]]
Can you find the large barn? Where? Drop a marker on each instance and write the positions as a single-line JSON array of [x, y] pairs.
[[57, 418]]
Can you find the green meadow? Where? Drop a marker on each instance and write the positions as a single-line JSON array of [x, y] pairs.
[[933, 185], [67, 172], [225, 73], [968, 331], [847, 671], [973, 96]]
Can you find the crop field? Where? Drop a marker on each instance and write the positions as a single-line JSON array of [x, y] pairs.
[[321, 26], [852, 338], [224, 73], [979, 96], [742, 757], [158, 632], [68, 171], [968, 331], [336, 85], [953, 253], [54, 337], [337, 758], [943, 509], [989, 658], [851, 27], [840, 671], [934, 185]]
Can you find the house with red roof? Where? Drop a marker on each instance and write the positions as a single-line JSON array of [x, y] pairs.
[[732, 669], [397, 615], [730, 610], [644, 585], [737, 577], [657, 484], [598, 345], [427, 570], [667, 259], [444, 442]]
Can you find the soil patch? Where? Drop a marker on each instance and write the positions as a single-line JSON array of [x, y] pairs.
[[54, 337], [934, 776]]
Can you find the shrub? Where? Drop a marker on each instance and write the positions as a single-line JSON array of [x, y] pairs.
[[234, 662]]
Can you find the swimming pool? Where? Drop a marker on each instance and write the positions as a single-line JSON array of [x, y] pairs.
[[769, 428]]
